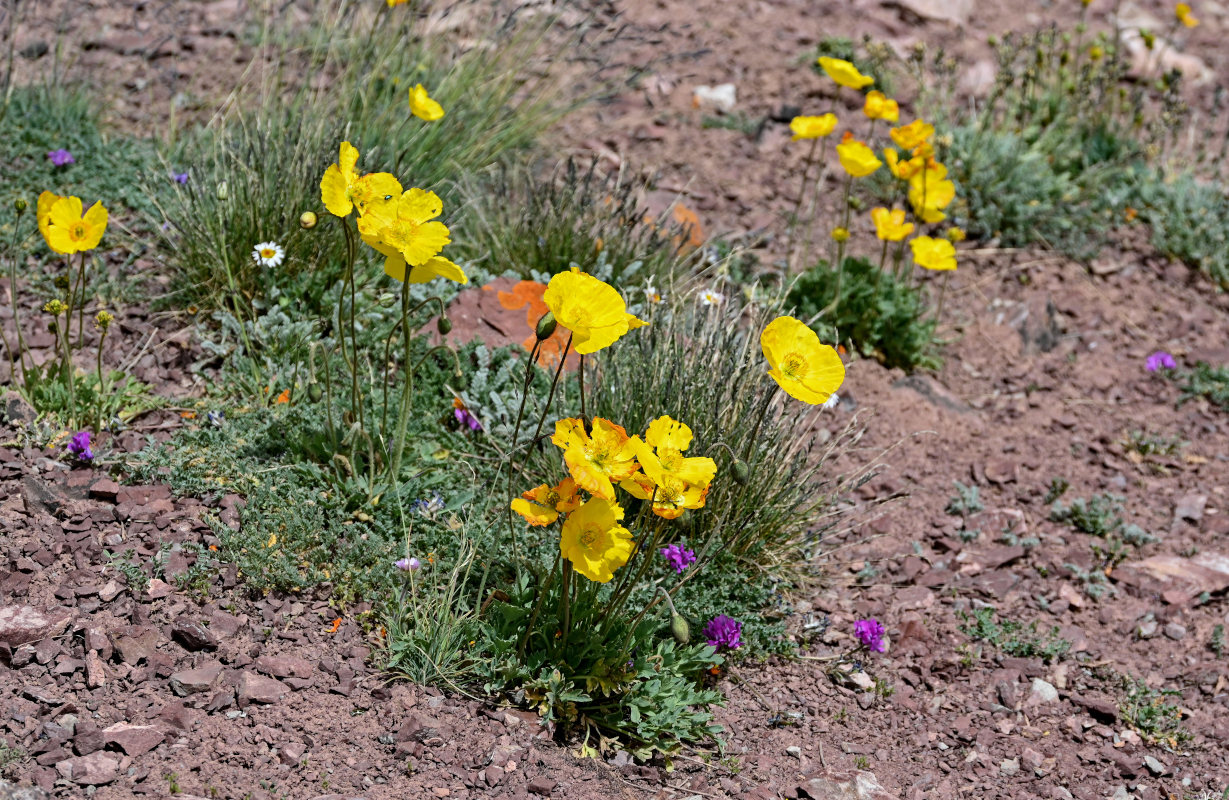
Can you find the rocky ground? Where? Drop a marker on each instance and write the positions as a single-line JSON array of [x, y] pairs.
[[114, 685]]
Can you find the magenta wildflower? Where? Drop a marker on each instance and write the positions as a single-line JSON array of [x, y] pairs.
[[1160, 360], [61, 157], [467, 419], [79, 446], [724, 632], [870, 634], [678, 557], [408, 564]]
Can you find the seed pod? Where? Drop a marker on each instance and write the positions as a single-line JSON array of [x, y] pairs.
[[443, 325], [741, 473], [679, 628], [314, 392], [546, 326]]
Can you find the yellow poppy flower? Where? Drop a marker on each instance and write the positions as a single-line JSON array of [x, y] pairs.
[[544, 504], [936, 254], [666, 468], [955, 234], [845, 73], [930, 197], [857, 159], [804, 368], [899, 169], [599, 460], [880, 106], [43, 212], [423, 107], [907, 137], [812, 127], [338, 182], [890, 226], [408, 233], [1183, 12], [594, 541], [67, 230], [591, 309], [392, 3]]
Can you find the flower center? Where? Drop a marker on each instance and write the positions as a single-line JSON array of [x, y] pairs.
[[589, 535], [268, 253], [669, 495], [794, 366], [78, 230], [552, 499]]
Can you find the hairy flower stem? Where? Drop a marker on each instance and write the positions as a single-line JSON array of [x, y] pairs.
[[102, 386], [819, 182], [565, 604], [883, 257], [942, 293], [407, 392], [516, 433], [840, 251], [580, 373], [550, 397], [802, 191], [68, 366], [21, 340], [81, 303], [543, 591], [356, 404]]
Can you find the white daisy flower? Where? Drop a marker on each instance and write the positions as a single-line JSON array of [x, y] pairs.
[[712, 298], [268, 254], [831, 401], [650, 292]]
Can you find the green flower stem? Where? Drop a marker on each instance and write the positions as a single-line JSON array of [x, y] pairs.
[[942, 294], [840, 249], [802, 191], [550, 397], [543, 591], [81, 303], [21, 341], [883, 257], [356, 403], [813, 205], [408, 390], [580, 373], [565, 604], [102, 386], [328, 401], [516, 432], [68, 366]]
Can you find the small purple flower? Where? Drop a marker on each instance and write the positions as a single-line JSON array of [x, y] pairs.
[[428, 508], [1160, 360], [408, 564], [61, 157], [723, 632], [870, 634], [79, 446], [677, 557], [179, 177], [467, 419]]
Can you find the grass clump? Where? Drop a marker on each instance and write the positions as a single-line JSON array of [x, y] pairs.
[[255, 174], [878, 314], [59, 115], [577, 217], [1013, 638]]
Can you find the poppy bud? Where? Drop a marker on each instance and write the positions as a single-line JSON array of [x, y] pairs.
[[679, 628], [741, 473], [223, 191], [20, 204], [443, 325], [307, 220], [314, 392], [546, 326]]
